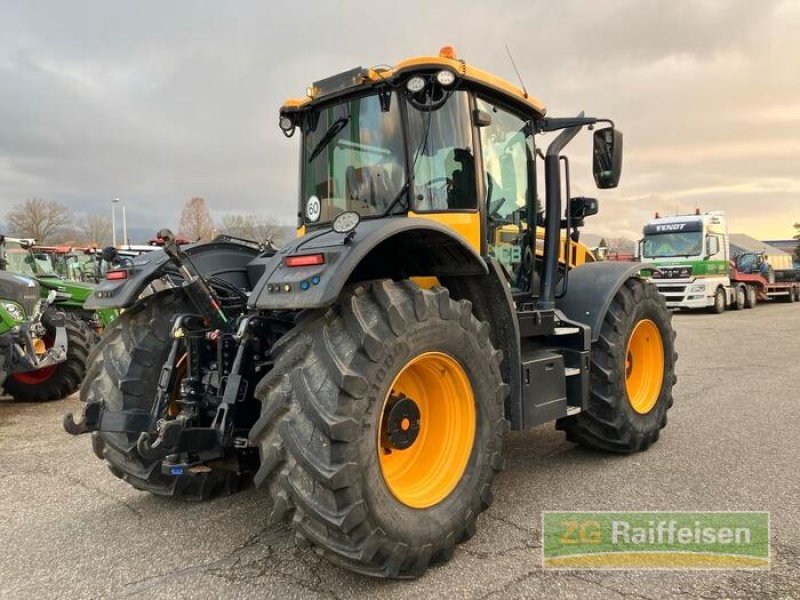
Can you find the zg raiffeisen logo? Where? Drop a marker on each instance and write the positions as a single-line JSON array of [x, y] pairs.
[[655, 540]]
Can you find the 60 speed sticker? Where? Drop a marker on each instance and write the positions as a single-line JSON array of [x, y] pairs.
[[313, 208]]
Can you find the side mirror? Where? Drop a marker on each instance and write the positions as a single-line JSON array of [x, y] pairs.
[[580, 208], [481, 118], [607, 164]]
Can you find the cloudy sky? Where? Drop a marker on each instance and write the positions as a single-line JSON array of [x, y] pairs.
[[155, 102]]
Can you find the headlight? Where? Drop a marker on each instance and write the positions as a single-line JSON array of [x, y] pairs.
[[14, 310], [287, 125], [698, 287]]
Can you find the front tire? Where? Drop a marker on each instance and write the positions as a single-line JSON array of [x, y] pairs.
[[58, 381], [720, 300], [371, 504], [632, 374]]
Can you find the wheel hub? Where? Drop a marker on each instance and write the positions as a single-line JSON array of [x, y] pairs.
[[400, 426], [644, 366], [427, 427], [39, 347]]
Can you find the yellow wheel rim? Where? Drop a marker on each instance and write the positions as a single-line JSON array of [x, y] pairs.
[[644, 366], [436, 427]]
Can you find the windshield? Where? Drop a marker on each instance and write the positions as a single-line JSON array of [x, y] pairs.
[[353, 158], [664, 245], [21, 260]]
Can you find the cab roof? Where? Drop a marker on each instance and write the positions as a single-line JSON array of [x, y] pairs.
[[360, 78]]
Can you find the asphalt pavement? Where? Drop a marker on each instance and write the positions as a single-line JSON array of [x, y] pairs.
[[69, 529]]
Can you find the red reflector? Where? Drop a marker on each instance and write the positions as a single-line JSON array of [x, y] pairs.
[[114, 275], [304, 260]]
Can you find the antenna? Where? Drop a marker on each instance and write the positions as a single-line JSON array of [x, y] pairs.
[[513, 64]]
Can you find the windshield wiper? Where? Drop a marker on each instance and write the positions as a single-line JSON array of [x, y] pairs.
[[396, 199], [332, 132]]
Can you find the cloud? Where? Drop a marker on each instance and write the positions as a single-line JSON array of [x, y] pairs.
[[157, 102]]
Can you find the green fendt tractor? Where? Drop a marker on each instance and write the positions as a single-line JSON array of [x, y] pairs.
[[64, 308], [32, 338], [365, 374], [50, 267]]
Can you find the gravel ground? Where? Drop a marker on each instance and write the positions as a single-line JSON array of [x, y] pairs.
[[69, 529]]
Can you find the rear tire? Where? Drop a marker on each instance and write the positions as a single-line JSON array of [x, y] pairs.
[[720, 301], [751, 298], [323, 405], [741, 297], [123, 373], [60, 380], [611, 422]]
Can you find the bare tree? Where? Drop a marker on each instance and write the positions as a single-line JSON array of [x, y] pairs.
[[93, 229], [196, 222], [251, 227], [45, 220]]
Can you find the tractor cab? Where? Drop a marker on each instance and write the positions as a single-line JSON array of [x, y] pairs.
[[436, 138]]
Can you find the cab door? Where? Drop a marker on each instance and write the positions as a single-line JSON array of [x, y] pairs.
[[507, 151], [444, 184]]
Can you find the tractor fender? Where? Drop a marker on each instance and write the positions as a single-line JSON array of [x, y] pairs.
[[395, 248], [592, 287], [236, 263]]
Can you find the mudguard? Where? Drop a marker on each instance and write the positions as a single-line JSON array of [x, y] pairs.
[[395, 248], [592, 287], [236, 263]]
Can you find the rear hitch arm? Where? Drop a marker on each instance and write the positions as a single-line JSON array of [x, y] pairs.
[[200, 294], [95, 418], [89, 419], [28, 360]]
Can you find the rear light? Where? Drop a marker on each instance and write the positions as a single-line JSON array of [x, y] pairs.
[[116, 275], [304, 260]]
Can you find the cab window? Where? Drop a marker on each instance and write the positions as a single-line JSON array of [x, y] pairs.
[[441, 150]]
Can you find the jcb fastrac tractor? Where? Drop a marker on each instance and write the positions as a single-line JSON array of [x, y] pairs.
[[367, 372]]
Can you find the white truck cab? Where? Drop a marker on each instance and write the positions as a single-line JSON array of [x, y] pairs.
[[692, 253]]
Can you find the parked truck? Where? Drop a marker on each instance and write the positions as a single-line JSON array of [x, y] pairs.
[[699, 270]]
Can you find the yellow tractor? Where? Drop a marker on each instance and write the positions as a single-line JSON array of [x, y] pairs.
[[370, 406]]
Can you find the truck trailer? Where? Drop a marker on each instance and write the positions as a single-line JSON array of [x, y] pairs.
[[699, 268]]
